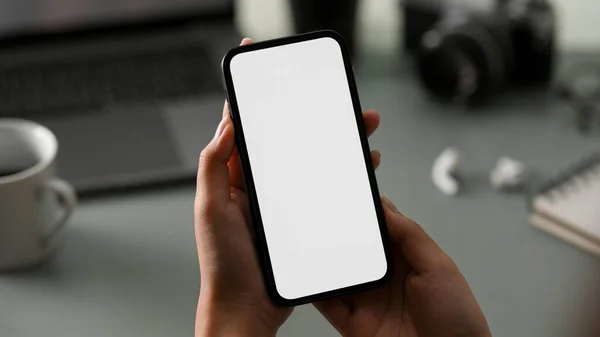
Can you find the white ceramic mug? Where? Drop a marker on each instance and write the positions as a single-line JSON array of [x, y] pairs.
[[34, 204]]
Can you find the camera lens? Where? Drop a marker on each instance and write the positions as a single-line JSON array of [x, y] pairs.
[[449, 74], [461, 63]]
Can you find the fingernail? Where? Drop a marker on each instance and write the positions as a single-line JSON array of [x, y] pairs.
[[246, 39], [387, 203], [221, 128]]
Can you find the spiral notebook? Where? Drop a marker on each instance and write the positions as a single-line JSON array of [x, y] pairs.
[[569, 206]]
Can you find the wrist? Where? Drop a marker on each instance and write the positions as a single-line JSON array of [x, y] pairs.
[[218, 319]]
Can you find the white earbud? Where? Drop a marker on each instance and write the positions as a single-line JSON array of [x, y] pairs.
[[444, 171], [509, 174]]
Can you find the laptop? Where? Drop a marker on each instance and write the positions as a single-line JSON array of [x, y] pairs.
[[131, 88]]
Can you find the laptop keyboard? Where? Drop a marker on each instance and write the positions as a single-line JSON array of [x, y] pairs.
[[96, 81]]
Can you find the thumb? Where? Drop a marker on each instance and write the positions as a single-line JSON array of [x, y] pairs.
[[417, 247], [212, 185]]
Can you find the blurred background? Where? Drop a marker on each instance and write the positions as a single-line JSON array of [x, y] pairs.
[[498, 98], [380, 23]]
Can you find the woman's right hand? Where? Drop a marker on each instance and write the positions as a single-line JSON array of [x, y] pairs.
[[426, 297]]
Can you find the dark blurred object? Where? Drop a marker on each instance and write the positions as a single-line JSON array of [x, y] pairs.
[[580, 88], [46, 88], [467, 51], [130, 88], [29, 16], [337, 15]]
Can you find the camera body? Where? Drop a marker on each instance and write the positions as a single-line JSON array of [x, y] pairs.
[[468, 49]]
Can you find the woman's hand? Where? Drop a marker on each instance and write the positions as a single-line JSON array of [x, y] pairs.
[[427, 296], [233, 298]]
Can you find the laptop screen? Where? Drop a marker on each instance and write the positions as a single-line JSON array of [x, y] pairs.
[[41, 15]]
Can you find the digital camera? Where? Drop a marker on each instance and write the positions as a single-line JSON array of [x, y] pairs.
[[468, 49]]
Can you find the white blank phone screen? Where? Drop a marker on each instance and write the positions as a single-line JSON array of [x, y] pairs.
[[308, 167]]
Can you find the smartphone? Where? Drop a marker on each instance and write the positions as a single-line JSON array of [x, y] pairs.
[[300, 135]]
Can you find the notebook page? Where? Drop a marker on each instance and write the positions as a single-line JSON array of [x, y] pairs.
[[575, 203]]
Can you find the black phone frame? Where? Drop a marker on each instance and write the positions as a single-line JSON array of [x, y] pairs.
[[260, 239]]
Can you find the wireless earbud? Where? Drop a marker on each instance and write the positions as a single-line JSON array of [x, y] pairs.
[[509, 174], [444, 171]]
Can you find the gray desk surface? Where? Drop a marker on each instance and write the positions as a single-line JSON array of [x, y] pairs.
[[129, 268]]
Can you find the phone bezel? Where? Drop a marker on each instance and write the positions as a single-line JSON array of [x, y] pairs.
[[261, 243]]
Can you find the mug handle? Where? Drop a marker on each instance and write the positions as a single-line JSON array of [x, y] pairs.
[[67, 197]]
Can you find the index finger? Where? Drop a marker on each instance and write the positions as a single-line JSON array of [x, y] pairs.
[[244, 42], [372, 120]]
